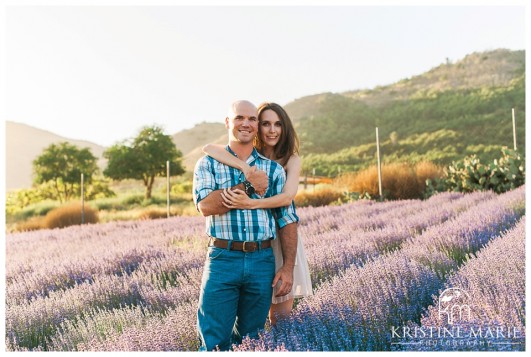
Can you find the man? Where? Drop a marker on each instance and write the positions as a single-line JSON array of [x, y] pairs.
[[240, 268]]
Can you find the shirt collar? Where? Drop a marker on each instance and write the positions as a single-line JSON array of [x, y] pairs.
[[254, 154]]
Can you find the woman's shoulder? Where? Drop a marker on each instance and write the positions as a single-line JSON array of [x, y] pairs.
[[294, 162]]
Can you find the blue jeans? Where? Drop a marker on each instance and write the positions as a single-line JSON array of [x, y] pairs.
[[235, 296]]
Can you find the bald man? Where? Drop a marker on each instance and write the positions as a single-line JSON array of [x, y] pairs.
[[239, 270]]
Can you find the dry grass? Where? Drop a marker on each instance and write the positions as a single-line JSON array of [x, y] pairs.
[[322, 196], [399, 180], [153, 213], [427, 170], [31, 224], [69, 215]]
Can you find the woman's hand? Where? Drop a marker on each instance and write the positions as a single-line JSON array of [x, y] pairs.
[[246, 169], [236, 199]]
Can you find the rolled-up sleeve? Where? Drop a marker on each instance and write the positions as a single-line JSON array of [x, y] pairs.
[[204, 182], [283, 215]]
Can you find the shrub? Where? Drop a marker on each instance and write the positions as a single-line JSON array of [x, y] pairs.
[[501, 175], [69, 215], [134, 199], [427, 170], [180, 188], [153, 213], [322, 196], [399, 181], [31, 224]]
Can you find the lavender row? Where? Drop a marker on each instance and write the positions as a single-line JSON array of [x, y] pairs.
[[39, 265], [158, 286], [353, 245], [490, 291], [446, 246], [366, 214], [131, 329], [358, 309]]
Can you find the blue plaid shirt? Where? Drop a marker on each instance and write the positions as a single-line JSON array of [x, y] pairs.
[[242, 224]]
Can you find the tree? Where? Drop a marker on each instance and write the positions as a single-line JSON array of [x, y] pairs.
[[61, 165], [144, 159]]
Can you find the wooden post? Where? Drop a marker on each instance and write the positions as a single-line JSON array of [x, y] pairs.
[[514, 130], [313, 173], [168, 189], [82, 199], [379, 166]]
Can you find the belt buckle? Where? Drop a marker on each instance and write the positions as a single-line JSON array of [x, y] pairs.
[[247, 250]]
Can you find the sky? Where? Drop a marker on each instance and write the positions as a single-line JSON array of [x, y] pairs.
[[101, 73]]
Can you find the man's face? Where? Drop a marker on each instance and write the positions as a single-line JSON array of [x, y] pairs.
[[243, 123]]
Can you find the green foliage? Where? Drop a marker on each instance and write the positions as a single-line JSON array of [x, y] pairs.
[[41, 208], [338, 120], [501, 175], [18, 200], [182, 188], [60, 166], [441, 127], [98, 188], [144, 159]]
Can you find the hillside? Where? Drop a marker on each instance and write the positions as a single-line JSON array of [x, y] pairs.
[[24, 143], [477, 70], [191, 157], [447, 113], [189, 139]]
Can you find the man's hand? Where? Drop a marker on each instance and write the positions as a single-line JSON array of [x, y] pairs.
[[258, 179], [285, 276]]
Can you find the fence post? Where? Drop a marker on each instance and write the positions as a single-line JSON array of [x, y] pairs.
[[514, 130], [313, 173], [82, 199], [379, 166], [168, 189]]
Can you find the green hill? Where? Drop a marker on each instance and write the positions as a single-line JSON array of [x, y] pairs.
[[202, 133], [451, 111]]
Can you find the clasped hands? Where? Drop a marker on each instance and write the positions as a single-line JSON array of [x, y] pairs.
[[238, 199], [258, 179]]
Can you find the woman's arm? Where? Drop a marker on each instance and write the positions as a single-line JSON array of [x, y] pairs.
[[219, 153], [238, 199]]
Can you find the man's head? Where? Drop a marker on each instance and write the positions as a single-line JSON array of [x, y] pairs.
[[242, 122]]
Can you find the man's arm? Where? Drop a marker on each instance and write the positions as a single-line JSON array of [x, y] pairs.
[[212, 204], [288, 243]]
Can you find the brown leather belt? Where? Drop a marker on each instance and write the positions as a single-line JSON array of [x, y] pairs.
[[247, 247]]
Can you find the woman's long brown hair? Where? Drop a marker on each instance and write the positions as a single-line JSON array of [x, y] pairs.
[[289, 141]]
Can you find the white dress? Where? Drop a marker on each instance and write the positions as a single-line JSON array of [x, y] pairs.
[[302, 284]]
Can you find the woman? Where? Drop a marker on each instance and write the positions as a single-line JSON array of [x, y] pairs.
[[277, 141]]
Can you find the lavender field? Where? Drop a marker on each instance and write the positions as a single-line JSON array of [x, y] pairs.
[[378, 271]]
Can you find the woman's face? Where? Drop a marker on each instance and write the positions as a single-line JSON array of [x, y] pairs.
[[270, 128]]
